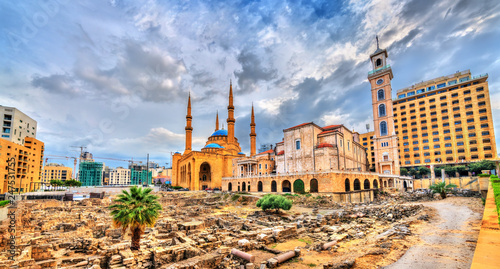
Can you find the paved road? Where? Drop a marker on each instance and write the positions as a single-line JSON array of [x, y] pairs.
[[448, 242]]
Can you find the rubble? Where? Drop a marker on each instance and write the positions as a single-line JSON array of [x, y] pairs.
[[194, 231]]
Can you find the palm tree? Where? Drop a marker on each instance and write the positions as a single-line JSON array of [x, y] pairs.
[[135, 211]]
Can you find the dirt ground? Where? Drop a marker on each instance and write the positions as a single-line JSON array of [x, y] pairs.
[[447, 240]]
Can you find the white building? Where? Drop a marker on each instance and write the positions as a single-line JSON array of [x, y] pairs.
[[119, 176], [16, 125]]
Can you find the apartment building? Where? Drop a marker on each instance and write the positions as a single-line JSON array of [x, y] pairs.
[[119, 176], [16, 125], [56, 172]]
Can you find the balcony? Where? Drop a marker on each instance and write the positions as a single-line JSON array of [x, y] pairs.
[[379, 69], [480, 76]]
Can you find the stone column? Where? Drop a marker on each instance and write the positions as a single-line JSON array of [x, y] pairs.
[[433, 175]]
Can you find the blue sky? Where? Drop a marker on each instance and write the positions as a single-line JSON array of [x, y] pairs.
[[114, 75]]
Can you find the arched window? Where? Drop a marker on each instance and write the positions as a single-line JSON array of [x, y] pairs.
[[347, 185], [357, 185], [380, 95], [378, 62], [381, 110], [383, 128]]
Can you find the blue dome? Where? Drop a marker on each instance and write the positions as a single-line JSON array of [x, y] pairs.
[[214, 146], [220, 132], [241, 153]]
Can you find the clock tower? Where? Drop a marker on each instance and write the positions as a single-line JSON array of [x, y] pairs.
[[385, 140]]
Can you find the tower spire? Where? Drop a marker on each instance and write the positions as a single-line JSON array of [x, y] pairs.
[[377, 41], [230, 115], [217, 121], [189, 128], [253, 135]]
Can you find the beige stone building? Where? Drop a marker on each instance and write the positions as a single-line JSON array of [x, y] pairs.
[[119, 176]]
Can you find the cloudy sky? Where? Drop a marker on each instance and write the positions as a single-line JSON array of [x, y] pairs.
[[114, 75]]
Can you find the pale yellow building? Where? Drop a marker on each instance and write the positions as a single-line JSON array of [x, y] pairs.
[[56, 172]]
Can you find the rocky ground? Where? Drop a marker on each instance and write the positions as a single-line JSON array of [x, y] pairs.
[[200, 230]]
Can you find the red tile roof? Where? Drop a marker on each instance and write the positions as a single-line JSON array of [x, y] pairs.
[[281, 152], [267, 152], [327, 132], [325, 145], [300, 125], [331, 127]]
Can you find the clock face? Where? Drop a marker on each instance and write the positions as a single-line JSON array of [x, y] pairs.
[[380, 81]]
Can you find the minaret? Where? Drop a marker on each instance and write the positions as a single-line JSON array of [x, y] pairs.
[[189, 129], [230, 116], [252, 135], [217, 121]]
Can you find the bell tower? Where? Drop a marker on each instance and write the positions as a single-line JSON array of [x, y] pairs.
[[385, 140]]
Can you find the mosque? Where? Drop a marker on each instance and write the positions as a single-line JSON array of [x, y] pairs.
[[199, 170]]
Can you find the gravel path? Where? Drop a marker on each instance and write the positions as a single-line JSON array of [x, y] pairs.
[[448, 241]]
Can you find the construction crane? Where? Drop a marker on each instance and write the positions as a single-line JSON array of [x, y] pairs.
[[80, 158]]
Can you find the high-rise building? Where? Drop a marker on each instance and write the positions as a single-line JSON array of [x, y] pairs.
[[56, 172], [91, 173], [445, 120], [16, 125], [139, 175], [23, 163]]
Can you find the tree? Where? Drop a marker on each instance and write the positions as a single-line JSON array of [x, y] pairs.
[[403, 171], [477, 167], [273, 201], [72, 183], [437, 171], [135, 210], [461, 169], [424, 171], [450, 170], [413, 172], [442, 188]]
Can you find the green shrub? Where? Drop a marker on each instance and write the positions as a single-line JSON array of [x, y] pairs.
[[176, 187], [442, 188], [235, 197], [272, 201], [483, 175], [495, 183], [4, 203]]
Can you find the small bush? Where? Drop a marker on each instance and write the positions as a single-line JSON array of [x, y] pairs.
[[483, 175], [4, 203], [176, 187], [272, 201], [235, 197], [442, 188]]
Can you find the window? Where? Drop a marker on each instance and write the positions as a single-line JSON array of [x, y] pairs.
[[378, 62], [460, 143], [437, 146], [458, 129], [435, 133], [426, 147], [380, 94], [427, 154], [436, 139], [381, 110], [485, 133], [383, 128], [447, 138], [441, 85], [297, 144], [448, 145], [415, 142], [425, 141], [460, 136]]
